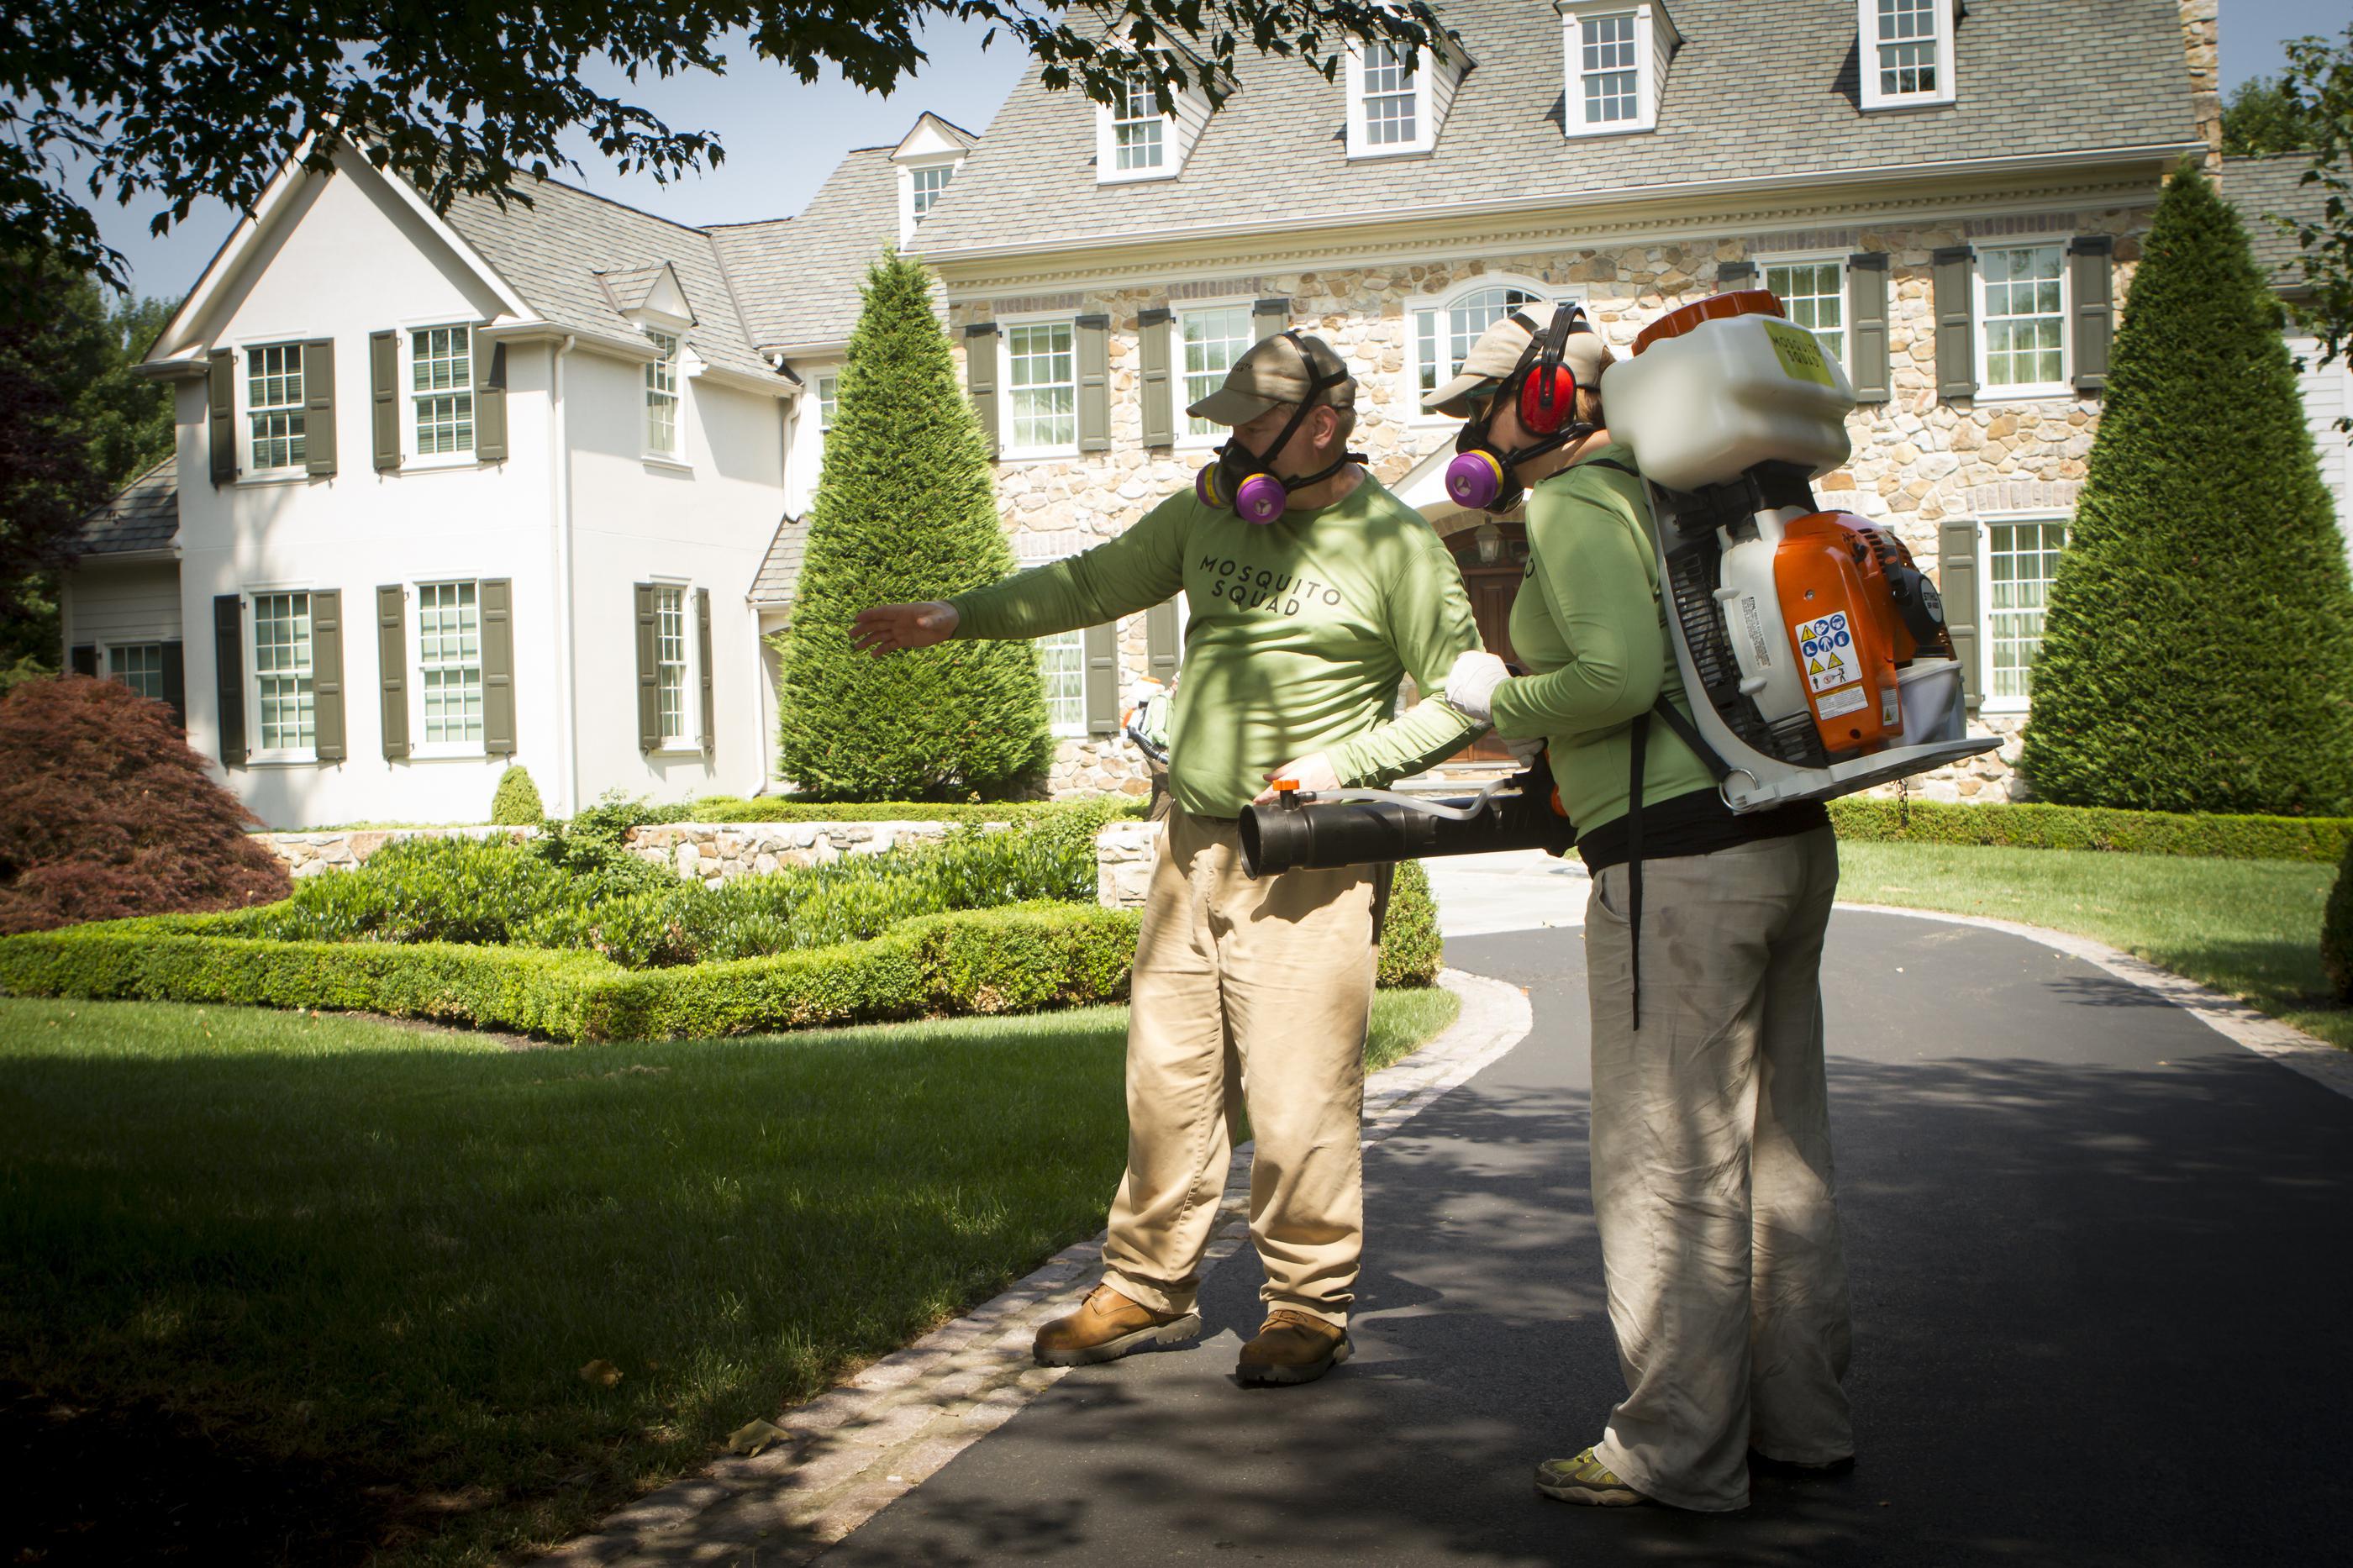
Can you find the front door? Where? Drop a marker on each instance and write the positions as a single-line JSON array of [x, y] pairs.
[[1492, 586]]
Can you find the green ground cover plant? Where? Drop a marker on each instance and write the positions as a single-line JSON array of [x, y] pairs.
[[2036, 825], [335, 1248], [2250, 929]]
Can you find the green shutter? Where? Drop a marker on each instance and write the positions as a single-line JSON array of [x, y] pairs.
[[648, 674], [383, 397], [1159, 391], [228, 676], [2091, 277], [1866, 326], [1956, 352], [220, 413], [1101, 644], [1269, 317], [1094, 383], [491, 403], [1733, 275], [175, 682], [319, 408], [980, 378], [327, 671], [703, 668], [1162, 640], [1956, 582], [496, 596], [392, 668], [83, 658]]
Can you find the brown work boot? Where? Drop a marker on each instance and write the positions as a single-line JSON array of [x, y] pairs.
[[1108, 1326], [1292, 1348]]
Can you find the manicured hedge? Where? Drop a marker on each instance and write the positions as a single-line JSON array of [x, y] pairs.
[[2040, 827], [1013, 959], [719, 808]]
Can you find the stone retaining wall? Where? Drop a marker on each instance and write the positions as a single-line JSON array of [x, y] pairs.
[[1124, 856], [343, 848], [717, 852]]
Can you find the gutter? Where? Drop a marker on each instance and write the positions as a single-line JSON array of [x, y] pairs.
[[1562, 202]]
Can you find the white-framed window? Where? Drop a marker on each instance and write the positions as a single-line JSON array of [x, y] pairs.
[[1812, 290], [828, 391], [1042, 386], [1211, 338], [1906, 48], [285, 716], [1388, 108], [928, 184], [441, 391], [450, 663], [1445, 326], [1139, 138], [1134, 141], [1062, 666], [273, 407], [139, 665], [2022, 320], [670, 662], [923, 178], [661, 395], [2021, 560], [1616, 53]]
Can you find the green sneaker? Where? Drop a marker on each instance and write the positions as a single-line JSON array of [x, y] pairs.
[[1585, 1480]]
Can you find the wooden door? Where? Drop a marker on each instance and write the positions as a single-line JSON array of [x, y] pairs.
[[1492, 586]]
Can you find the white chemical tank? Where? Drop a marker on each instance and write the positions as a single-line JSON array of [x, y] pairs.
[[1724, 384]]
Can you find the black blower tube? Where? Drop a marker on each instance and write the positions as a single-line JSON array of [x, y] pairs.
[[1292, 835]]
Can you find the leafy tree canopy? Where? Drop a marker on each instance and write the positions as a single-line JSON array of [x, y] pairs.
[[2317, 90], [186, 99], [2261, 118]]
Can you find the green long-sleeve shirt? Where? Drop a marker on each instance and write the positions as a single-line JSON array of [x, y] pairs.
[[1297, 634], [1588, 622]]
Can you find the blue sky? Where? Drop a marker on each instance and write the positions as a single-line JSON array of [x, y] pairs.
[[783, 136]]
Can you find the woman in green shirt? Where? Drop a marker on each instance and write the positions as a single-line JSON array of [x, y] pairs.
[[1711, 1157]]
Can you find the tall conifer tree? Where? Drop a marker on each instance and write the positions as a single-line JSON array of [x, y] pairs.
[[905, 510], [2198, 650]]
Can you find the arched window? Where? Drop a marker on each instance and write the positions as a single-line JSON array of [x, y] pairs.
[[1444, 328]]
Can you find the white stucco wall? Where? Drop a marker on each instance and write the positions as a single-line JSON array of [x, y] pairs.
[[807, 457], [2329, 397]]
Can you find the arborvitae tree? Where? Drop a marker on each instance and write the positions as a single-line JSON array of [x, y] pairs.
[[2198, 650], [905, 510]]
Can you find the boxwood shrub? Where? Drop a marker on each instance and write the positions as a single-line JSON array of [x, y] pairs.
[[2040, 827]]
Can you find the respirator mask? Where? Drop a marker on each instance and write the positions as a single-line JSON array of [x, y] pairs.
[[1244, 480], [1484, 477]]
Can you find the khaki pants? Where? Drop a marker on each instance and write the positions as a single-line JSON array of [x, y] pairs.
[[1251, 993], [1712, 1182]]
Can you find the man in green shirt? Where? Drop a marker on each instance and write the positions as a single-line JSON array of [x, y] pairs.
[[1256, 992]]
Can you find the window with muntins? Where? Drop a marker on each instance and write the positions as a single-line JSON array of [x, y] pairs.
[[281, 672], [2025, 315], [669, 659], [1042, 376], [139, 665], [1062, 666], [1443, 334], [1612, 86], [449, 662], [1214, 339], [442, 389], [1136, 133], [1907, 48], [273, 400], [1391, 109], [829, 388], [661, 396], [1813, 293], [928, 184], [2021, 561]]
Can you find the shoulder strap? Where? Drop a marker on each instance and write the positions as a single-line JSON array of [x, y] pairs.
[[1627, 469], [1688, 734]]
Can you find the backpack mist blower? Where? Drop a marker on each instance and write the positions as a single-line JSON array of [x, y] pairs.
[[1813, 650]]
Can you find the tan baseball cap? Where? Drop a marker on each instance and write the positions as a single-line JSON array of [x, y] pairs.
[[1497, 353], [1274, 370]]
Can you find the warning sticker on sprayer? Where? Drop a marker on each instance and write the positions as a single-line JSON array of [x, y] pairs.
[[1825, 644], [1840, 702]]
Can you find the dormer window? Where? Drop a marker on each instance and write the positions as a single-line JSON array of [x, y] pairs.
[[1138, 133], [1133, 140], [1616, 64], [1398, 97], [1907, 47], [925, 185], [927, 159]]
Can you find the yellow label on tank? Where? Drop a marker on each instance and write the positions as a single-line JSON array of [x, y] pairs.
[[1800, 354]]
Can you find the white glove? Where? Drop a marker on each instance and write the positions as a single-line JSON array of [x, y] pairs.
[[1471, 684], [1525, 752]]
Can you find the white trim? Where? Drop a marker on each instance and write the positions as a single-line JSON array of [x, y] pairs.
[[1107, 168], [1425, 128], [1007, 450], [1987, 702], [241, 407], [1816, 258], [1654, 41], [249, 626], [413, 598], [1945, 13], [405, 382], [107, 650], [677, 455], [2022, 392], [688, 740], [1410, 380]]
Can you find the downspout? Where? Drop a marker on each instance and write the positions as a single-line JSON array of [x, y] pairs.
[[567, 674]]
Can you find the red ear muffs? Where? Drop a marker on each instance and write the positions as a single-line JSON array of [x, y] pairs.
[[1547, 398]]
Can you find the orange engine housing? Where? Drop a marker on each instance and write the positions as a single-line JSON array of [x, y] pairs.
[[1843, 630]]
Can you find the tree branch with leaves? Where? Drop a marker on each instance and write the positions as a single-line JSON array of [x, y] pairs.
[[2317, 87]]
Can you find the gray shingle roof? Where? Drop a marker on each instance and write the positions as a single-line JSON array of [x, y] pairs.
[[780, 573], [552, 251], [800, 277], [144, 515], [1758, 87], [2259, 187]]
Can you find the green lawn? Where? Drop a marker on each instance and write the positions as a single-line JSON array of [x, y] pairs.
[[340, 1247], [2248, 928]]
